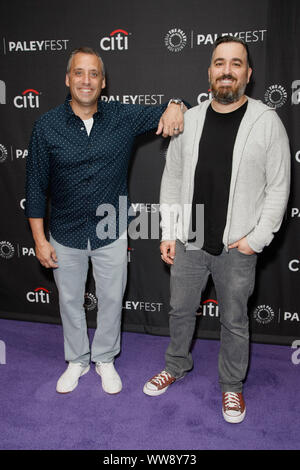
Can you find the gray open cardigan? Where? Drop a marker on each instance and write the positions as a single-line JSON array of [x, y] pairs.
[[260, 177]]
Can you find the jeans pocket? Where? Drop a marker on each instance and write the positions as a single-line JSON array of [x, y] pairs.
[[245, 254]]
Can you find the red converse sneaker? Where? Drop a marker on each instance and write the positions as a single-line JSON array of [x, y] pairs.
[[158, 384], [234, 408]]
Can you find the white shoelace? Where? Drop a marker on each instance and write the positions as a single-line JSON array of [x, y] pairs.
[[161, 378], [232, 400]]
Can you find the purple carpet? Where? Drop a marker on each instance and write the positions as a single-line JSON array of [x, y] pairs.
[[188, 416]]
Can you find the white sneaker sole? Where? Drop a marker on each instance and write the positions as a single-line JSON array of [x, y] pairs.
[[105, 390], [234, 419], [154, 393], [85, 371]]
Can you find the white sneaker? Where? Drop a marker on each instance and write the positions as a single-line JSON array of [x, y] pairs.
[[111, 382], [68, 381]]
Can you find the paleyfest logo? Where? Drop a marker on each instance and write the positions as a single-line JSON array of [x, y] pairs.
[[2, 92], [263, 314], [275, 96], [7, 250], [35, 46], [17, 154], [175, 40], [3, 153], [90, 301]]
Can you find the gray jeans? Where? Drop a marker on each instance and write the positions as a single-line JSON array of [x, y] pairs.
[[233, 274], [110, 274]]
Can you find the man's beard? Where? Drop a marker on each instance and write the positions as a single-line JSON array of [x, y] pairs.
[[226, 94]]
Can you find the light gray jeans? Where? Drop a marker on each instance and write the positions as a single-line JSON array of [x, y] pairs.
[[233, 274], [110, 273]]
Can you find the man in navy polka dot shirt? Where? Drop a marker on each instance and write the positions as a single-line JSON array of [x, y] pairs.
[[80, 152]]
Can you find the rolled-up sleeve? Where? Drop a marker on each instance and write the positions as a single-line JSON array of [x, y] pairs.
[[37, 174], [144, 118]]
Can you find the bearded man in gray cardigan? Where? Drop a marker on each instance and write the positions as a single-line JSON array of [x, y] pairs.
[[233, 158]]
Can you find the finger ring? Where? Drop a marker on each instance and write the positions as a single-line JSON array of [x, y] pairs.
[[176, 128]]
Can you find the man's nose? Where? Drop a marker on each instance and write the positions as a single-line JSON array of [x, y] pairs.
[[86, 77], [227, 68]]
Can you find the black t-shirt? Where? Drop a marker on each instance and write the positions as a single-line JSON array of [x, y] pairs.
[[213, 174]]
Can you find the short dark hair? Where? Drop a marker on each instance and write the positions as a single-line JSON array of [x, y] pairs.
[[228, 38], [85, 50]]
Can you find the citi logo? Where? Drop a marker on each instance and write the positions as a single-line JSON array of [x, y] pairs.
[[116, 41], [294, 265], [28, 99], [129, 254], [39, 295], [204, 96], [209, 308]]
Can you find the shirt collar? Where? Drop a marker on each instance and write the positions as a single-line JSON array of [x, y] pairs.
[[70, 113]]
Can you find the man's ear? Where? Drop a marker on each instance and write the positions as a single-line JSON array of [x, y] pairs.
[[67, 81], [249, 74]]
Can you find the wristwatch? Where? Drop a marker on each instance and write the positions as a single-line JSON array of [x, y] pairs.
[[175, 101]]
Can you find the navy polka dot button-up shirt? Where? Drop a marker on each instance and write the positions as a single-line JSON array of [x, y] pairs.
[[82, 172]]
